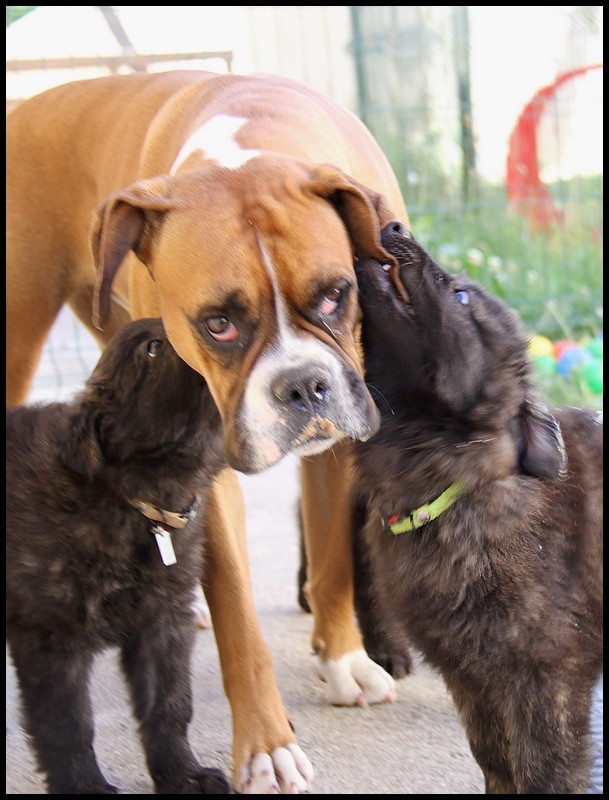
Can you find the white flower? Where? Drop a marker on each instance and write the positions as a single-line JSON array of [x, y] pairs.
[[475, 256]]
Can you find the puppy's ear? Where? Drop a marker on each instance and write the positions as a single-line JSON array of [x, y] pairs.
[[543, 451], [82, 451]]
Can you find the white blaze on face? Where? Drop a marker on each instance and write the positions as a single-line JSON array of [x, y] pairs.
[[287, 351], [215, 139]]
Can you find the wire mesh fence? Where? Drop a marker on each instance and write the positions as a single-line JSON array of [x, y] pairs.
[[491, 117]]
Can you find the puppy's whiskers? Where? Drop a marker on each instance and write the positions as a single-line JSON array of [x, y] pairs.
[[334, 334], [476, 441], [376, 391]]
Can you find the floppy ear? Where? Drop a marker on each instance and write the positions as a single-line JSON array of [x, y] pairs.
[[82, 451], [543, 450], [363, 211], [127, 220]]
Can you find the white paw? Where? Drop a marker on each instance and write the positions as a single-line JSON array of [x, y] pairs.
[[286, 771], [356, 680], [200, 609]]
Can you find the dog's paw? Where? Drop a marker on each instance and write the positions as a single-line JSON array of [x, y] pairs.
[[200, 609], [206, 780], [398, 663], [356, 680], [286, 771]]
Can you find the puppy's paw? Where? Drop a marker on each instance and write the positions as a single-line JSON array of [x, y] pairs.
[[200, 609], [356, 680], [392, 657], [286, 771], [206, 780]]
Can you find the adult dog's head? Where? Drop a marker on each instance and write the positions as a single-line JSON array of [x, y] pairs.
[[449, 360], [253, 272]]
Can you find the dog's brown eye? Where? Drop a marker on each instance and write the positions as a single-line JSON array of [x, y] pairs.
[[221, 329], [331, 301], [154, 347]]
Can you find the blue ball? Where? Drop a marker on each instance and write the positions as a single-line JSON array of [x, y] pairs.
[[571, 358]]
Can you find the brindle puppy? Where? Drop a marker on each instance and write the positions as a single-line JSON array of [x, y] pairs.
[[482, 515], [103, 549]]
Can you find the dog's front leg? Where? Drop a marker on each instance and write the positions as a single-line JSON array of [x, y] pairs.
[[352, 678], [58, 716], [157, 663], [266, 758]]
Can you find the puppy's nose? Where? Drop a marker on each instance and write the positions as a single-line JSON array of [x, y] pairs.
[[305, 390]]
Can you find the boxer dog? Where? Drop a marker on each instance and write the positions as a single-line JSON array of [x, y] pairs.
[[233, 207], [482, 515]]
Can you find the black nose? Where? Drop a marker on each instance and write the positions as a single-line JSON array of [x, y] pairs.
[[393, 233], [305, 390]]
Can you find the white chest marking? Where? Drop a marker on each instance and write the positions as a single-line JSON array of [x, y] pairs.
[[216, 140]]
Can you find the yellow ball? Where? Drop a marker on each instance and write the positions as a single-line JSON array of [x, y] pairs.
[[540, 346]]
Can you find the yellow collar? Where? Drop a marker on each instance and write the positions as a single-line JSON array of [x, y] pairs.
[[424, 514]]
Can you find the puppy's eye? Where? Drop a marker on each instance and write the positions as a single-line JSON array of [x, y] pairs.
[[462, 297], [331, 301], [154, 347], [221, 329]]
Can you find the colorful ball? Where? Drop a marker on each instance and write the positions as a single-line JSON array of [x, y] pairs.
[[580, 361], [592, 374], [595, 346], [560, 345], [540, 346], [545, 364], [572, 358]]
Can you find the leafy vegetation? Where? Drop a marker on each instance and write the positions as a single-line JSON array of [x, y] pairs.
[[13, 13], [552, 278]]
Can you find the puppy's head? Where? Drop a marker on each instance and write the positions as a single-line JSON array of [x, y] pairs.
[[141, 402], [252, 272], [442, 347]]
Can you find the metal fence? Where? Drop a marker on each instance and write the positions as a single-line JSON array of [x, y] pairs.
[[490, 116]]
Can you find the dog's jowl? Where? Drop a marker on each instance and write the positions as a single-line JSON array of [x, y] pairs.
[[105, 504], [481, 512]]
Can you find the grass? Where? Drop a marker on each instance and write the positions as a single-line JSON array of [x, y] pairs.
[[552, 278], [571, 391]]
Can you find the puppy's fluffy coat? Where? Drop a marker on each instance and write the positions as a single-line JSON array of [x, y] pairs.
[[87, 481], [499, 582]]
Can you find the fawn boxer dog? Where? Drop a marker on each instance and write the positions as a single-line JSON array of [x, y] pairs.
[[237, 206]]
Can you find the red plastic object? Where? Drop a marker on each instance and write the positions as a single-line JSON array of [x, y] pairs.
[[525, 189]]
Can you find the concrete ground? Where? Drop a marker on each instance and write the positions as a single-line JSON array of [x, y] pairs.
[[414, 746]]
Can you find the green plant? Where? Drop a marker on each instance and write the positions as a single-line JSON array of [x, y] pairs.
[[552, 278], [13, 13], [571, 391]]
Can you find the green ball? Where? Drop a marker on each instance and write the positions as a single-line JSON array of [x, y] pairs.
[[545, 364], [595, 346], [592, 373]]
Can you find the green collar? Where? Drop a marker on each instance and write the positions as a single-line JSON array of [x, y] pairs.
[[424, 514]]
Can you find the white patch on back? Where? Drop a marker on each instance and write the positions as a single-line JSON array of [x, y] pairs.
[[216, 140]]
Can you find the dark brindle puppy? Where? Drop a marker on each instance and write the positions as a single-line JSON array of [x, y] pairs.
[[484, 531], [101, 497]]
